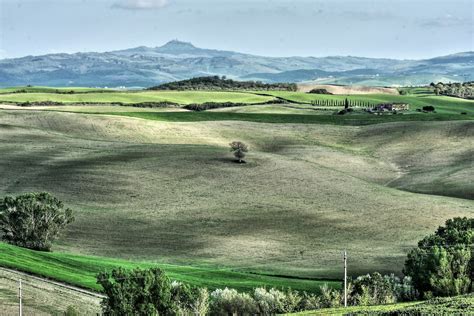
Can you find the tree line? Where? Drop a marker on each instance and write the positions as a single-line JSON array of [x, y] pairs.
[[463, 90], [222, 83], [347, 103]]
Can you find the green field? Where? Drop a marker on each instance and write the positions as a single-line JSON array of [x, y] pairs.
[[52, 89], [443, 104], [158, 186], [180, 97], [353, 120], [82, 271]]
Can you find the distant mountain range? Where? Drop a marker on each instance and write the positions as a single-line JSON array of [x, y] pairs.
[[148, 66]]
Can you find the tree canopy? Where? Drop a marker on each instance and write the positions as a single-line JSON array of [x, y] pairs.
[[33, 220], [239, 149], [443, 263], [221, 83]]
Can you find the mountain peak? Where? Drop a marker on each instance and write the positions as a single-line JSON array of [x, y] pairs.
[[176, 44]]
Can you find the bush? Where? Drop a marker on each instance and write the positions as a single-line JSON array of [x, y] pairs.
[[309, 301], [403, 289], [231, 302], [33, 220], [443, 263], [163, 104], [138, 292], [330, 297], [372, 289], [211, 105], [274, 301], [428, 108], [319, 91], [189, 300]]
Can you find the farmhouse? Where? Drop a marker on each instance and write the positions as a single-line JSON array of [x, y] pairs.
[[391, 107]]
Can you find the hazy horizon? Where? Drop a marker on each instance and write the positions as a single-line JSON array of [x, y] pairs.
[[278, 28], [212, 48]]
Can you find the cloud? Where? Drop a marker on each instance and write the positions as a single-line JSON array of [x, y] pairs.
[[447, 20], [140, 4]]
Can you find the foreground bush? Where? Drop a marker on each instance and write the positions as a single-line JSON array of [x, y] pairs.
[[189, 300], [443, 263], [137, 292], [33, 220], [273, 301], [150, 292], [231, 302], [372, 289]]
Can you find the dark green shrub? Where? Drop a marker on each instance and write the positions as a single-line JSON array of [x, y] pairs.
[[319, 91], [443, 263], [189, 300], [428, 108], [137, 292], [372, 289], [33, 220], [222, 83]]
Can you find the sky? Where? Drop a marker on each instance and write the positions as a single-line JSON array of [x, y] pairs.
[[402, 29]]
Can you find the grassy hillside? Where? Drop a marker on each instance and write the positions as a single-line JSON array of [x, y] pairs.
[[459, 305], [304, 196], [181, 97], [82, 271], [288, 118]]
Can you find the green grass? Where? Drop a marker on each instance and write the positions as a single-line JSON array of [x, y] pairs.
[[443, 104], [52, 89], [416, 97], [82, 270], [354, 310], [159, 185], [458, 305], [352, 119], [180, 97], [149, 190]]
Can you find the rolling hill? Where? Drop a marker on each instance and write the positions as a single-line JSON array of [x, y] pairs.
[[305, 194], [147, 66]]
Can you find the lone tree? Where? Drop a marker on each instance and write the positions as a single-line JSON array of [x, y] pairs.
[[443, 263], [239, 149], [33, 220]]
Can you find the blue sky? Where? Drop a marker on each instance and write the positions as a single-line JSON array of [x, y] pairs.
[[376, 28]]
